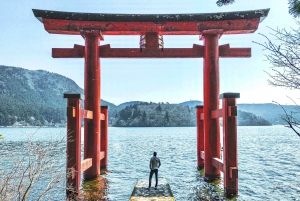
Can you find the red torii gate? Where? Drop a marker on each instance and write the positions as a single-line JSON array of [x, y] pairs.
[[151, 28]]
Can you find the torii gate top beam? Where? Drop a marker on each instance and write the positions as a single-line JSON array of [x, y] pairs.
[[138, 24]]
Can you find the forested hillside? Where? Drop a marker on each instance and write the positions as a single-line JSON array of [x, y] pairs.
[[34, 97], [153, 114], [250, 119], [164, 114], [270, 111]]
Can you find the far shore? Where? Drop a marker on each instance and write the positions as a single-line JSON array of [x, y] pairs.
[[115, 126]]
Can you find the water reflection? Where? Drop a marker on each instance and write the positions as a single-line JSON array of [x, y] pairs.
[[96, 189], [210, 190]]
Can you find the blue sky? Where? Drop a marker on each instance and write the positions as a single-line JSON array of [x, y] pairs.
[[24, 43]]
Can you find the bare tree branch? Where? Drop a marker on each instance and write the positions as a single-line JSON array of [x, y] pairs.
[[284, 57], [36, 164], [290, 120], [283, 54]]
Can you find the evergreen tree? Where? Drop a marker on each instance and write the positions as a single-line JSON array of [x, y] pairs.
[[167, 116], [224, 2], [294, 7], [136, 113], [144, 117], [125, 113], [158, 109]]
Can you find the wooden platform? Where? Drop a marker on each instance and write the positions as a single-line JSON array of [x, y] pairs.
[[142, 193]]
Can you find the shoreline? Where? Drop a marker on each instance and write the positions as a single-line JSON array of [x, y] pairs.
[[126, 126]]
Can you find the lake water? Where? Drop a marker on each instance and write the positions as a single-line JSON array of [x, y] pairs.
[[268, 160]]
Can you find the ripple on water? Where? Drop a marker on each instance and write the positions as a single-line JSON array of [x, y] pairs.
[[268, 160]]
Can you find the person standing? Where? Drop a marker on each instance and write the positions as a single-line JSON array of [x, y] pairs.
[[154, 165]]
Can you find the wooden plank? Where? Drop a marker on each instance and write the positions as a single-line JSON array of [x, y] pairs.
[[236, 53], [217, 113], [106, 51], [71, 111], [233, 172], [76, 52], [218, 163], [226, 52], [104, 138], [232, 111], [224, 48], [87, 114], [196, 52], [142, 193], [86, 164], [154, 53], [201, 116], [102, 116], [202, 154], [102, 154]]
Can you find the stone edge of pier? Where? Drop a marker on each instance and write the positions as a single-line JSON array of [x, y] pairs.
[[134, 197]]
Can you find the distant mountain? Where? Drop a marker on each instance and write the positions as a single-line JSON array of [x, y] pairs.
[[34, 97], [250, 119], [30, 97], [269, 111], [123, 105], [191, 103]]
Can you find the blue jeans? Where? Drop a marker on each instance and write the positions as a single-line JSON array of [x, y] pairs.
[[156, 177]]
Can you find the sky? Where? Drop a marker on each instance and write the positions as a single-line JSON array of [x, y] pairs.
[[24, 43]]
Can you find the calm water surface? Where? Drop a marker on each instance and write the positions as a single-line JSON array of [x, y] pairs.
[[268, 160]]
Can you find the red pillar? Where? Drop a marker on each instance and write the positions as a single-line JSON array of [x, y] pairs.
[[200, 137], [211, 102], [230, 142], [92, 102], [104, 137], [73, 143]]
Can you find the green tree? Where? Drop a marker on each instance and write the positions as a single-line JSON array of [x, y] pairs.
[[144, 118], [294, 7], [136, 113], [125, 113], [167, 116], [158, 109]]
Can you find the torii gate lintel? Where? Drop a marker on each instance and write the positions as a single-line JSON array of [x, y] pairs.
[[197, 51]]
